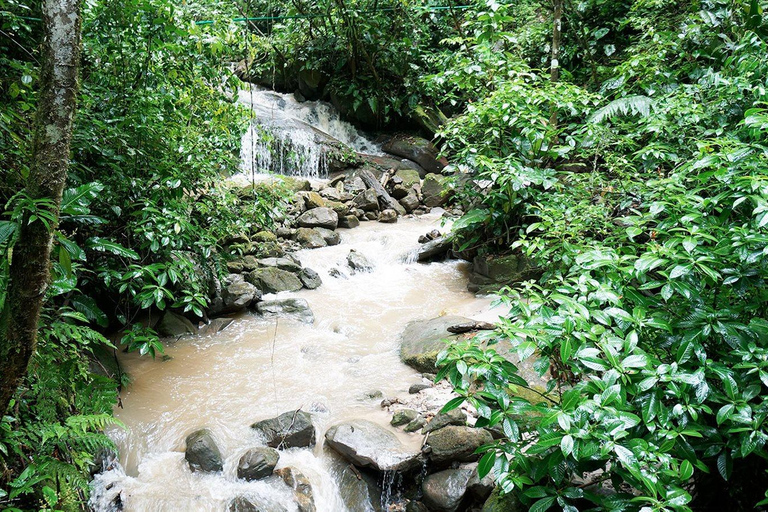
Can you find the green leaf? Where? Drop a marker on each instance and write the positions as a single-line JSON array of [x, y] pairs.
[[566, 445], [542, 505], [486, 464], [686, 470], [452, 404]]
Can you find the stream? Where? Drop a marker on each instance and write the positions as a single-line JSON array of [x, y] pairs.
[[337, 368]]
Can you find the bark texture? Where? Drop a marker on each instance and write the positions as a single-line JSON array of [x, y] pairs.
[[30, 264], [554, 68]]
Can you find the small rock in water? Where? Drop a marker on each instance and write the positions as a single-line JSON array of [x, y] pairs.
[[302, 489], [371, 216], [415, 388], [358, 262], [388, 216], [373, 395], [403, 417], [367, 444], [243, 504], [335, 272], [310, 279], [416, 424], [290, 308], [330, 236], [202, 453], [293, 429], [257, 463], [348, 222], [443, 419]]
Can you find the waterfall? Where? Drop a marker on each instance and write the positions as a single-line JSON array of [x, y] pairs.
[[292, 138]]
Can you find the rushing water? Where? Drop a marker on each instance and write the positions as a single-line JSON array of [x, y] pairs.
[[256, 369], [285, 135]]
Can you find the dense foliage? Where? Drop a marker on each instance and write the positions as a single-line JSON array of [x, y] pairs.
[[141, 225], [644, 205]]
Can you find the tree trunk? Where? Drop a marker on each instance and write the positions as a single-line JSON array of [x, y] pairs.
[[29, 272], [554, 69]]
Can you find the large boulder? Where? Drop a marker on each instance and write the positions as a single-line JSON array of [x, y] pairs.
[[457, 444], [358, 262], [257, 463], [174, 325], [292, 429], [422, 341], [302, 489], [367, 201], [417, 150], [239, 295], [319, 218], [311, 238], [360, 490], [445, 490], [274, 280], [410, 177], [435, 190], [202, 453], [434, 249], [367, 444], [290, 308]]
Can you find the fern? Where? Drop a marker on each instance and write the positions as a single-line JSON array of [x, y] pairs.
[[635, 105]]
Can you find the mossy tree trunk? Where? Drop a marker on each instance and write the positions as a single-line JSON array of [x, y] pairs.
[[30, 264]]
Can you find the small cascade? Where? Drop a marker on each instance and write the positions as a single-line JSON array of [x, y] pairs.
[[293, 138]]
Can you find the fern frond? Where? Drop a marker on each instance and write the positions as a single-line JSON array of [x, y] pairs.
[[92, 422], [636, 105]]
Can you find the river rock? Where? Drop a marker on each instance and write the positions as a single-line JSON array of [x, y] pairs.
[[399, 191], [358, 262], [388, 216], [330, 236], [410, 177], [319, 218], [302, 489], [257, 463], [310, 279], [410, 202], [385, 200], [348, 222], [434, 249], [417, 150], [359, 490], [446, 489], [370, 216], [367, 201], [365, 443], [215, 326], [479, 487], [273, 280], [418, 388], [311, 199], [341, 209], [454, 443], [292, 429], [491, 273], [354, 185], [239, 295], [310, 238], [403, 417], [202, 453], [290, 308], [435, 190], [453, 417], [422, 341], [244, 504], [281, 263], [331, 193], [416, 424], [174, 325]]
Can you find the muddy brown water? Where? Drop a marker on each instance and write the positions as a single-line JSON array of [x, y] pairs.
[[258, 368]]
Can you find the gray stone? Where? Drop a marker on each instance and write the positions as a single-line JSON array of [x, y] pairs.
[[358, 262], [330, 236], [435, 190], [348, 222], [499, 502], [354, 185], [302, 489], [292, 429], [370, 216], [422, 341], [403, 417], [174, 325], [257, 463], [434, 249], [382, 195], [479, 487], [331, 193], [311, 199], [319, 218], [399, 191], [281, 263], [359, 490], [310, 238], [457, 444], [201, 453], [410, 177], [446, 489], [453, 417], [341, 209], [492, 273], [366, 201], [215, 326], [273, 280], [365, 443], [238, 296], [410, 202], [416, 424], [416, 388], [289, 308], [388, 216], [310, 279], [417, 150]]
